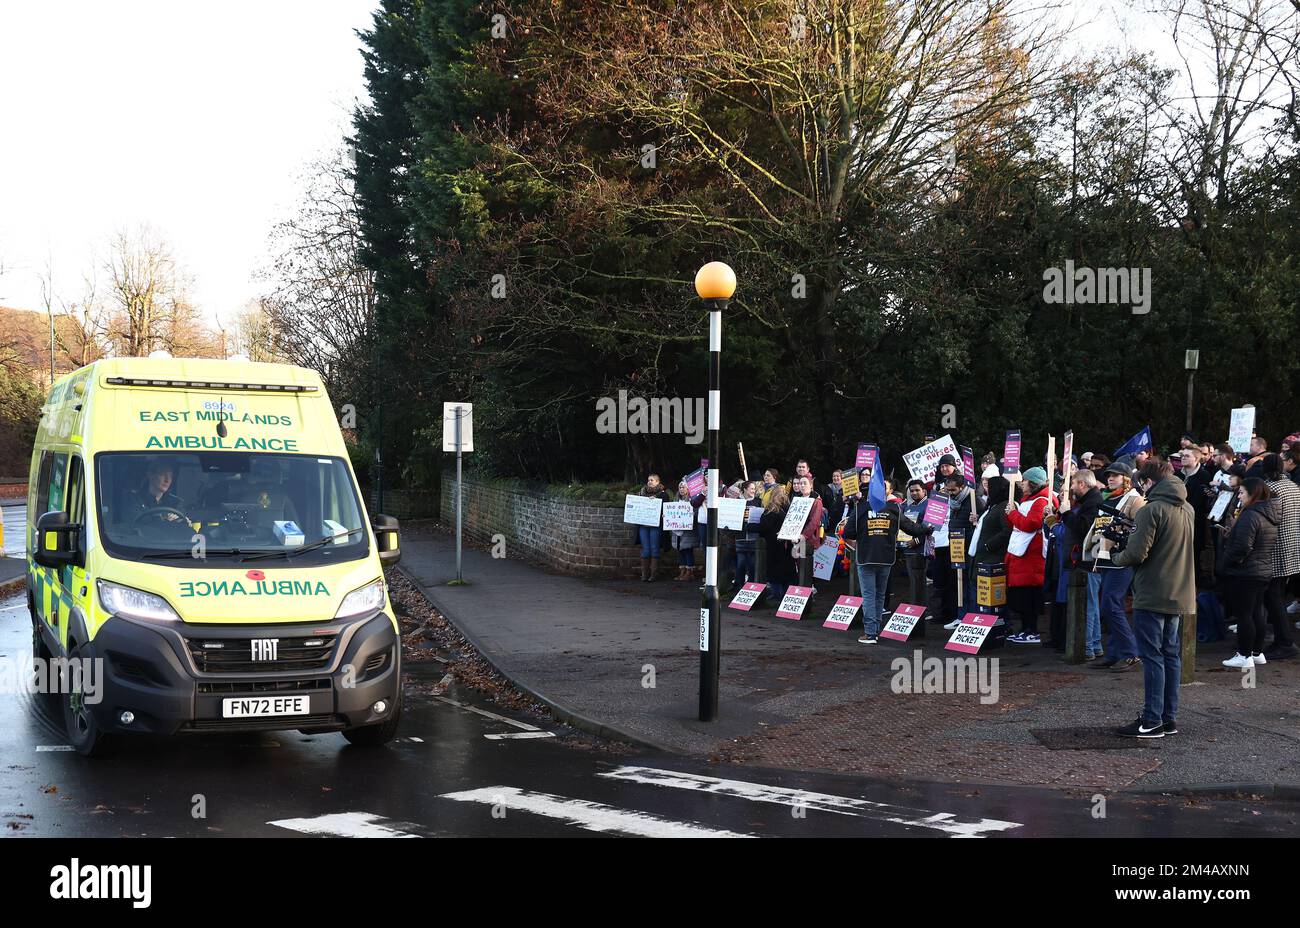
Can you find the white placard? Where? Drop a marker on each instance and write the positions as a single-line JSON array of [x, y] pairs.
[[1241, 428], [731, 514], [795, 517], [924, 461], [1221, 505], [824, 559], [449, 426], [679, 516], [642, 510]]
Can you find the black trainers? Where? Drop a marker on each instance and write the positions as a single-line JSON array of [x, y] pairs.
[[1169, 728], [1106, 664], [1128, 663], [1140, 729]]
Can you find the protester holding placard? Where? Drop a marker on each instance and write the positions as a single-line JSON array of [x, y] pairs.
[[876, 534], [1197, 480], [780, 565], [684, 541], [833, 500], [1286, 557], [1027, 554], [951, 487], [771, 480], [812, 527], [649, 535], [747, 540], [1078, 512], [1246, 569]]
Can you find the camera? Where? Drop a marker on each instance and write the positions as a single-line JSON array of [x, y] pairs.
[[1118, 529]]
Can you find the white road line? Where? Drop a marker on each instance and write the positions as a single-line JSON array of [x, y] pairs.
[[492, 715], [593, 816], [351, 825], [54, 747], [520, 735], [823, 802]]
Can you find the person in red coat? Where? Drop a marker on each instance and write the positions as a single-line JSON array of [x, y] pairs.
[[1025, 559]]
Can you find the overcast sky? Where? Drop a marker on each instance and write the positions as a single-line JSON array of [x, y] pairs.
[[198, 120], [195, 118]]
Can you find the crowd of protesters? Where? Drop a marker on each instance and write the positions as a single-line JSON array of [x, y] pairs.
[[1203, 531]]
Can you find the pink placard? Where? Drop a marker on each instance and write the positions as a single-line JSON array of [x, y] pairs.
[[696, 482], [794, 603], [746, 596], [970, 634], [842, 613], [900, 624], [1011, 452], [866, 457], [936, 511]]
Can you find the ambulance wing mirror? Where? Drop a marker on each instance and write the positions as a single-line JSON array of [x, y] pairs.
[[386, 540], [56, 540]]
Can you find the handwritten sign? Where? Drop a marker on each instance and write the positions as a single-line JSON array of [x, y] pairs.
[[866, 456], [1011, 452], [842, 613], [970, 634], [924, 461], [747, 596], [1221, 505], [754, 515], [902, 622], [1241, 427], [824, 560], [642, 510], [795, 601], [679, 516], [795, 517]]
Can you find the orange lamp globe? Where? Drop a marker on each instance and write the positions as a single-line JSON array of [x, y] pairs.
[[715, 281]]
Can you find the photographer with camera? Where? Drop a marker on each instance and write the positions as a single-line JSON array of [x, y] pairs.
[[1159, 549], [1119, 499]]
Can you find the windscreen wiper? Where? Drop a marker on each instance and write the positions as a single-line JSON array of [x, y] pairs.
[[187, 553], [300, 549]]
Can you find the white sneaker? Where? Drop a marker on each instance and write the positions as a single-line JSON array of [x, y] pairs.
[[1239, 661], [1294, 607], [952, 626], [1259, 659], [1233, 629]]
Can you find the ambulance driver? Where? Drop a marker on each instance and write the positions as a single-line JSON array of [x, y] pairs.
[[155, 493]]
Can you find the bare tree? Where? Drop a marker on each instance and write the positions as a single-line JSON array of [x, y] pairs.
[[147, 295]]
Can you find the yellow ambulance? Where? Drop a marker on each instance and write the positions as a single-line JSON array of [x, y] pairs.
[[198, 551]]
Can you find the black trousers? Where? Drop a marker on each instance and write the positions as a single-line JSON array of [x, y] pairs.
[[1241, 599], [945, 583], [1275, 603], [1023, 601]]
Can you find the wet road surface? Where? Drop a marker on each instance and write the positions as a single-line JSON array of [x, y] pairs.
[[462, 767]]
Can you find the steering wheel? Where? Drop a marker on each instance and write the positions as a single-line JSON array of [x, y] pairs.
[[159, 512]]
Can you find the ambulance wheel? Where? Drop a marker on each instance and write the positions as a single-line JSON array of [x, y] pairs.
[[374, 735], [82, 729]]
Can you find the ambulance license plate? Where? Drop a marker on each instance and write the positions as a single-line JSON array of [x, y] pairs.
[[241, 707]]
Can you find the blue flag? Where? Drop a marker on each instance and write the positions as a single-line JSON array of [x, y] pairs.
[[1139, 442], [876, 492]]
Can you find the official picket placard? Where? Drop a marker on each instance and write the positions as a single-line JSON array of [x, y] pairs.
[[1241, 427], [968, 465], [824, 559], [936, 511], [1011, 452], [746, 596], [642, 510], [924, 461], [902, 622], [795, 518], [795, 602], [970, 634], [679, 516], [866, 456], [697, 482], [957, 551], [849, 482], [842, 613]]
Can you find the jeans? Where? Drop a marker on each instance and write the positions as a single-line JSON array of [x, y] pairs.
[[874, 582], [649, 536], [746, 566], [1114, 587], [1092, 642], [685, 557], [1162, 665]]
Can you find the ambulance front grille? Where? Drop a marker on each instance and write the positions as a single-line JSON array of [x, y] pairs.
[[235, 655]]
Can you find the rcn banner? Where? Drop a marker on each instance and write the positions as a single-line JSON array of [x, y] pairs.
[[866, 457], [924, 461], [1011, 452]]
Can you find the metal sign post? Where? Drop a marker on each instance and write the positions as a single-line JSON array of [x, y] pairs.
[[458, 436]]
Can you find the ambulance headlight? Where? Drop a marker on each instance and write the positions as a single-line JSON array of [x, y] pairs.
[[369, 598], [134, 604]]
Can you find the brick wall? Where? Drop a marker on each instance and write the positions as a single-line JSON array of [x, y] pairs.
[[573, 536], [404, 504]]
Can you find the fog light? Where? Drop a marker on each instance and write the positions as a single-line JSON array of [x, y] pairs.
[[379, 707], [127, 717]]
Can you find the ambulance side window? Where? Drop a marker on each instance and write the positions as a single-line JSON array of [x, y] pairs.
[[58, 475], [76, 495], [42, 486]]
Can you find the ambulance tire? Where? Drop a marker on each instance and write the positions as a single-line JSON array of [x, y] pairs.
[[374, 735], [82, 730]]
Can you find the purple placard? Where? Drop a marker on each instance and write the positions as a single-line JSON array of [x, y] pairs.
[[968, 464], [1011, 452], [866, 457], [936, 511], [696, 482]]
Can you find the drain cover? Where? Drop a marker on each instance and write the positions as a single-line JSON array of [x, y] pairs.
[[1083, 739]]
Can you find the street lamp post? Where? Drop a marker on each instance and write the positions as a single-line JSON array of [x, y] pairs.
[[715, 283]]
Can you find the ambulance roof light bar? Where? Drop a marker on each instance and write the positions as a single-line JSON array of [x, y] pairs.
[[210, 385]]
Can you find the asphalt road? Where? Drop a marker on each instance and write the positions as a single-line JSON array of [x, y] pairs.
[[462, 767]]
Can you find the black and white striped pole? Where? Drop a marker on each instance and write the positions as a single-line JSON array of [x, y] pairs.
[[715, 283]]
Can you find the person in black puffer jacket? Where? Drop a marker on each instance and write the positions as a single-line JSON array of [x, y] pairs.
[[1246, 568]]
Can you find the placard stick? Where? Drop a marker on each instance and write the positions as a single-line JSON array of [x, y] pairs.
[[740, 449]]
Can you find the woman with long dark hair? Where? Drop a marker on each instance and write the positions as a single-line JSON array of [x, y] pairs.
[[1246, 568]]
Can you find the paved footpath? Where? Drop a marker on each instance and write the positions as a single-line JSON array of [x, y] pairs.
[[623, 654]]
